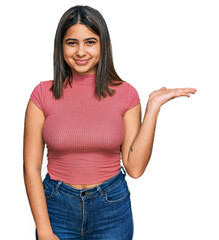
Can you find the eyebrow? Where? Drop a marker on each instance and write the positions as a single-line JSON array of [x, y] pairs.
[[74, 39]]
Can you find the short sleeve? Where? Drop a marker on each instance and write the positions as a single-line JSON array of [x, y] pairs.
[[133, 97], [37, 96]]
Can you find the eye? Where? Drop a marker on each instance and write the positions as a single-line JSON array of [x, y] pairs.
[[71, 43], [91, 42]]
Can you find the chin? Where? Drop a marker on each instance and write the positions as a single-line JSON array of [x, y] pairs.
[[82, 70]]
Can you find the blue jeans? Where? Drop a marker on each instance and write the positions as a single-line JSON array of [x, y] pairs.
[[103, 212]]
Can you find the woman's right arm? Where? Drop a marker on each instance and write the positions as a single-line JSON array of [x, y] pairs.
[[33, 149]]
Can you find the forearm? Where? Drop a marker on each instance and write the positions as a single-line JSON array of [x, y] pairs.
[[37, 201], [141, 148]]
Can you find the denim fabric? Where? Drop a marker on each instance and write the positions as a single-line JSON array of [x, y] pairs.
[[103, 212]]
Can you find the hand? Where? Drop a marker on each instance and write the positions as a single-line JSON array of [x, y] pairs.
[[52, 237], [163, 95]]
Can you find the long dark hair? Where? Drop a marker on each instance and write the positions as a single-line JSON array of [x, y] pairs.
[[106, 73]]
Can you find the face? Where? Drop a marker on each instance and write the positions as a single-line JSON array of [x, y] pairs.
[[81, 49]]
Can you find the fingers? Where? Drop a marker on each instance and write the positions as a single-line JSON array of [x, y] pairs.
[[176, 92], [179, 90], [186, 89]]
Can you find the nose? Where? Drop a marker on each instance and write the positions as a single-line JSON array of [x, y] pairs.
[[81, 50]]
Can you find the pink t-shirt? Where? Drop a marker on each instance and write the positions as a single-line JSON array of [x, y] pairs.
[[83, 135]]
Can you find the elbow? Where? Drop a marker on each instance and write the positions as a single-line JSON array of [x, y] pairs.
[[133, 174], [136, 174], [136, 171]]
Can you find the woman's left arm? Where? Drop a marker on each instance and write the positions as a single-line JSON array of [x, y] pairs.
[[139, 138]]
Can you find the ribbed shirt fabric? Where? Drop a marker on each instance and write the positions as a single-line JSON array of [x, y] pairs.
[[83, 135]]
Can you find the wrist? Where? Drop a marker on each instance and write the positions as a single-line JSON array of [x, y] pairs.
[[151, 112], [45, 234], [152, 107]]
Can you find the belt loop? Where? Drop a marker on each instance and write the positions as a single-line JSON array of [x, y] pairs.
[[57, 186], [100, 191], [123, 171]]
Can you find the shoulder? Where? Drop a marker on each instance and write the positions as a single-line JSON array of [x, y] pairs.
[[130, 90], [127, 90], [43, 84], [127, 95], [46, 84], [39, 92], [125, 87]]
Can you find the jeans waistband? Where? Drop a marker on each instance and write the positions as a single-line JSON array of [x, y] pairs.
[[87, 192]]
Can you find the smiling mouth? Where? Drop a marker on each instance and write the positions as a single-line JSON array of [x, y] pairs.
[[81, 62]]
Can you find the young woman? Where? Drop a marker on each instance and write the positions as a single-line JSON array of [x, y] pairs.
[[86, 117]]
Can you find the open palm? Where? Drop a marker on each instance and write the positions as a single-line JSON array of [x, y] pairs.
[[163, 95]]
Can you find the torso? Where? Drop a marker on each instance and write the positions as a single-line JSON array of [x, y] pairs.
[[83, 186]]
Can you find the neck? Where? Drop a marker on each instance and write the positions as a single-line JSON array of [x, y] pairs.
[[86, 79]]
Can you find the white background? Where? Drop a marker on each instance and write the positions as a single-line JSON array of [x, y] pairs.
[[155, 43]]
